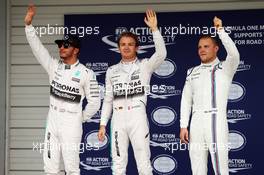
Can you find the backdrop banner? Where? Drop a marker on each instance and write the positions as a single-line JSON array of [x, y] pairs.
[[181, 31]]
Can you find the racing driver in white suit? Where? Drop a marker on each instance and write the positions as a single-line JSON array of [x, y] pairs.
[[205, 95], [70, 82], [126, 86]]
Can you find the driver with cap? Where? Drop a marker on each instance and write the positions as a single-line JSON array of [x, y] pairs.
[[70, 82]]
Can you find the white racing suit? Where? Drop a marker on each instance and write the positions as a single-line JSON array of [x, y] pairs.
[[205, 93], [126, 97], [69, 84]]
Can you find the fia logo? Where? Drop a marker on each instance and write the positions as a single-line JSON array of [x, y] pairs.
[[120, 30]]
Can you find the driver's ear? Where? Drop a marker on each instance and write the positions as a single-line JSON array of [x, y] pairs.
[[76, 50], [216, 48]]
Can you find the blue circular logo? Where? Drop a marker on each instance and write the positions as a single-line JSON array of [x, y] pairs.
[[164, 164], [237, 140], [163, 116], [166, 69], [91, 140], [236, 92]]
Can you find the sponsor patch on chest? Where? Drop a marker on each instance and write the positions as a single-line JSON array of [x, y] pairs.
[[134, 77], [195, 76], [76, 79]]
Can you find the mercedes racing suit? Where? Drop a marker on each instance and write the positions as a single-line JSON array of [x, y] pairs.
[[125, 96], [205, 95], [69, 84]]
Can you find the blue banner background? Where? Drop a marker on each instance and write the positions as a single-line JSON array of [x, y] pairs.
[[244, 107]]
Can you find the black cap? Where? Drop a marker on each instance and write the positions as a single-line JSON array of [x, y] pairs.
[[72, 39]]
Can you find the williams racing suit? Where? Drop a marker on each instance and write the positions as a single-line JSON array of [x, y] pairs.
[[69, 84], [126, 96], [205, 95]]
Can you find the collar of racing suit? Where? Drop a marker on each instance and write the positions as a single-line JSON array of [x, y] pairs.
[[128, 62], [128, 67], [216, 61], [69, 66]]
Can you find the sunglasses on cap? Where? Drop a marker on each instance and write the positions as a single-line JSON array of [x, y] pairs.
[[65, 45]]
